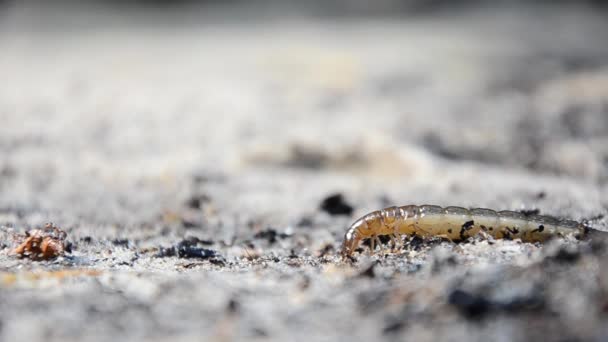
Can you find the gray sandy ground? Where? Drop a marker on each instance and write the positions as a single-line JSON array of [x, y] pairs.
[[133, 136]]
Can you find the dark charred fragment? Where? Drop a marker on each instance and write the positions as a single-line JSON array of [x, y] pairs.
[[336, 205], [565, 255], [326, 250], [477, 306], [233, 306], [190, 224], [187, 249], [450, 231], [68, 247], [292, 254], [270, 235], [393, 327], [469, 305], [86, 239], [121, 242], [369, 272], [166, 252], [197, 201], [189, 252], [305, 222], [465, 227], [541, 195]]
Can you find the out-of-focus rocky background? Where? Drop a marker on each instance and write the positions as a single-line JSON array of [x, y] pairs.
[[205, 159]]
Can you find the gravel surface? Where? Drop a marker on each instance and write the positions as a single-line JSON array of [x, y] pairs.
[[205, 172]]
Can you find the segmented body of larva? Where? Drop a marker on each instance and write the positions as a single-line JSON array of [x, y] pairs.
[[456, 224]]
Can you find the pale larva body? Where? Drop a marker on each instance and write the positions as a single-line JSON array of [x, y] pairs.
[[456, 224]]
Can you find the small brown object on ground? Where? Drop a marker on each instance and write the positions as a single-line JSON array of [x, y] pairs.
[[42, 244]]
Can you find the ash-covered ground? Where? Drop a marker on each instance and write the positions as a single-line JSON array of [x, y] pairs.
[[205, 165]]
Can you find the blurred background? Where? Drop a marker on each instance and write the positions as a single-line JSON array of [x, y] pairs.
[[134, 124], [141, 90]]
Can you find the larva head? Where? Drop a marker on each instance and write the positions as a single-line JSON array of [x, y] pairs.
[[363, 228], [351, 242]]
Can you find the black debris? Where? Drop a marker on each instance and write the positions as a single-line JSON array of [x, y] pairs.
[[188, 249], [477, 306], [305, 222], [270, 235], [69, 247], [191, 224], [336, 205], [326, 250], [565, 255], [233, 306], [197, 201], [470, 305], [394, 326], [369, 272], [121, 242], [189, 252], [164, 252]]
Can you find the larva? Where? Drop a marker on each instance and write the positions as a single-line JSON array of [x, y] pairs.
[[456, 224]]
